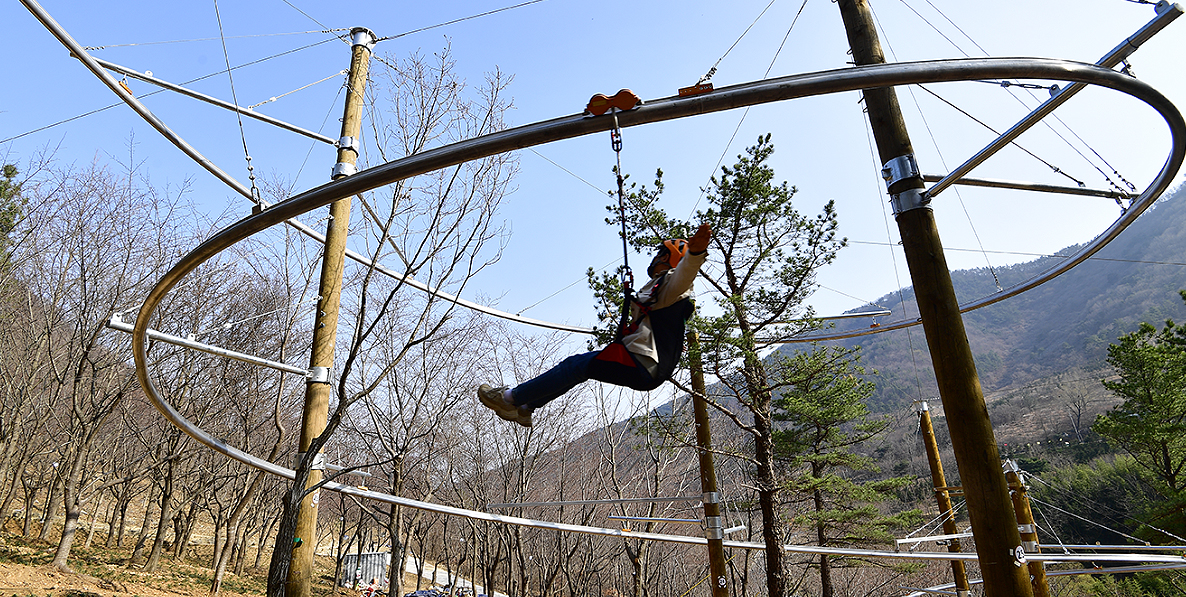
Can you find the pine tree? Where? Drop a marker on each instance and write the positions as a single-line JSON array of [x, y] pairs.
[[761, 268], [822, 421], [1150, 425], [12, 207]]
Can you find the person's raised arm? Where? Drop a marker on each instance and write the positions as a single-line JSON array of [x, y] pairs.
[[699, 241]]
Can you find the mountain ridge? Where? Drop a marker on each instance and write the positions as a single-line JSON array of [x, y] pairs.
[[1062, 325]]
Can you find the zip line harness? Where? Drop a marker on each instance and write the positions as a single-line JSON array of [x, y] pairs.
[[599, 104], [627, 277], [615, 362]]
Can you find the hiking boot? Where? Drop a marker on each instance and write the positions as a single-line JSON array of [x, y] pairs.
[[495, 399]]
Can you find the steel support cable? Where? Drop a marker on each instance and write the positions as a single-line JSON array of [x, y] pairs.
[[713, 69], [130, 99], [319, 23], [58, 32], [738, 96], [1098, 507], [182, 41], [454, 21], [745, 113], [255, 196], [942, 160], [238, 187], [301, 88], [165, 85], [1007, 84], [868, 126], [1085, 519]]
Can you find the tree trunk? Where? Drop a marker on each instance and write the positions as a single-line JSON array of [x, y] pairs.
[[263, 539], [240, 548], [191, 518], [51, 506], [72, 501], [162, 525], [90, 532], [69, 529], [221, 558], [768, 500], [30, 498], [821, 539], [10, 495], [123, 522], [282, 551], [145, 524], [219, 542]]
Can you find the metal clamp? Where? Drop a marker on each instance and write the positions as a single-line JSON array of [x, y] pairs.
[[712, 527], [350, 143], [318, 461], [898, 169], [908, 200], [361, 36], [319, 375], [343, 169], [1025, 528], [1030, 546], [711, 497]]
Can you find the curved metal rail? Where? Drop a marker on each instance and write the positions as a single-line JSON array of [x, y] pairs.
[[796, 86]]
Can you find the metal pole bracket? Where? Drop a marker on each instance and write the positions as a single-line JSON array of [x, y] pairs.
[[361, 36], [318, 461], [898, 169], [342, 169], [712, 527], [350, 143], [319, 375], [908, 200]]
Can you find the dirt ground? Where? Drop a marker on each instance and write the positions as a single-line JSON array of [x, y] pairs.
[[100, 572], [22, 580], [25, 580], [116, 579]]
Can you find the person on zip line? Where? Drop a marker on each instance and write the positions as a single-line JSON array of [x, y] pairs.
[[646, 351]]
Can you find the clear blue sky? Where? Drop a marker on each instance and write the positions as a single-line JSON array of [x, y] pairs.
[[560, 53]]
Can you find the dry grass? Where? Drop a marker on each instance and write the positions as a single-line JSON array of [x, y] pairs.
[[102, 572]]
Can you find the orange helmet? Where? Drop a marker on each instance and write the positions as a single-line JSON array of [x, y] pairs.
[[674, 249]]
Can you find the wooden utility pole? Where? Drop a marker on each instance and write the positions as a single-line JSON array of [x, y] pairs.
[[325, 328], [943, 498], [987, 494], [714, 530], [1027, 527]]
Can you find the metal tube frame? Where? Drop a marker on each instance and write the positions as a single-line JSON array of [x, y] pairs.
[[737, 96], [1166, 13], [116, 322], [93, 64], [1032, 186], [646, 519], [646, 500], [248, 112], [785, 88], [96, 69]]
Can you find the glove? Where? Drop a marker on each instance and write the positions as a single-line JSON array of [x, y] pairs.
[[699, 241]]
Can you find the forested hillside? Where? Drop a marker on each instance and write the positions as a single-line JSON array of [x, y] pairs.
[[1063, 325]]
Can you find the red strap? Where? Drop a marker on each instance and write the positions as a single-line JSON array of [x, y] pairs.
[[616, 353]]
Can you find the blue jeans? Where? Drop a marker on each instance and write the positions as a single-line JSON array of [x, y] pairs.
[[558, 380]]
